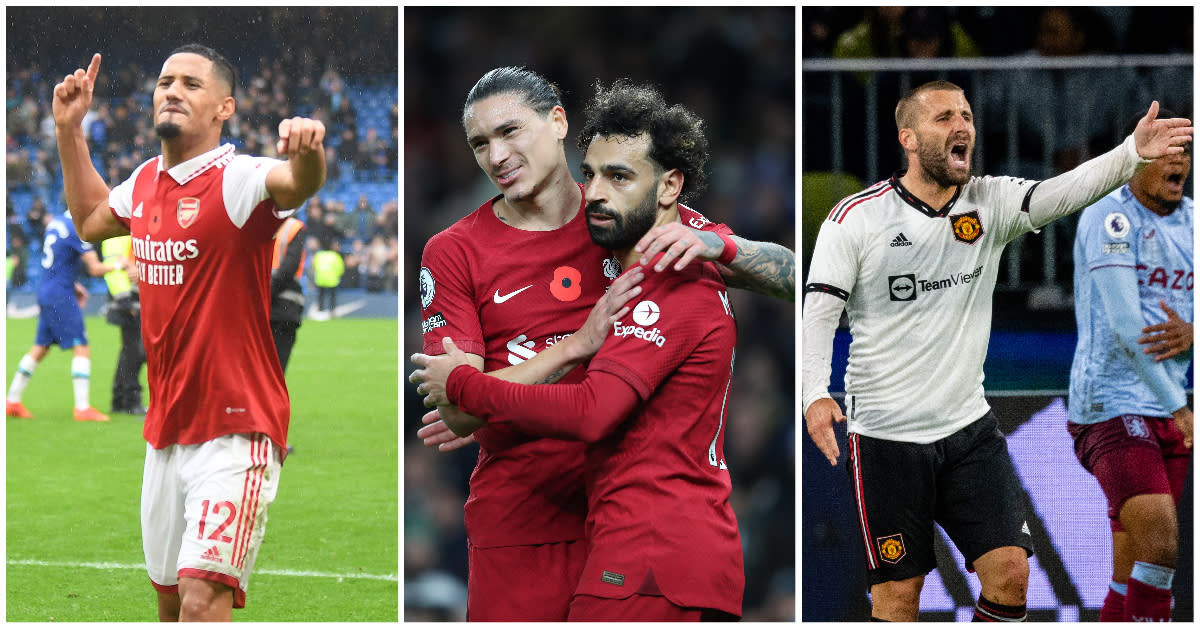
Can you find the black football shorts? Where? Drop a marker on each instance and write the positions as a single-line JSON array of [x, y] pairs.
[[965, 482]]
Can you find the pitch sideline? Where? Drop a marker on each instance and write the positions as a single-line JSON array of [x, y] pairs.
[[265, 572]]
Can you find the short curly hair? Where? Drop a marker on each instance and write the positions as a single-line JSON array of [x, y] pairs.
[[676, 135]]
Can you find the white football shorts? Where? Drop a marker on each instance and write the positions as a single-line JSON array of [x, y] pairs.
[[204, 509]]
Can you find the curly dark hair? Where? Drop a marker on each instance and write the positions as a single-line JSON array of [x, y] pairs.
[[677, 138]]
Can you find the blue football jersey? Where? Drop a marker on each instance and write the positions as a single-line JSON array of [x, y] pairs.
[[61, 253], [1119, 232]]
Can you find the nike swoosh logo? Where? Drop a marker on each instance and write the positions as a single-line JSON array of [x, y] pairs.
[[502, 299]]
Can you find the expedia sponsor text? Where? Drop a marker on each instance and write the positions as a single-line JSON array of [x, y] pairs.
[[653, 335]]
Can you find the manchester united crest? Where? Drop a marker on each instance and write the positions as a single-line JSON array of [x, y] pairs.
[[967, 227], [187, 211], [891, 548]]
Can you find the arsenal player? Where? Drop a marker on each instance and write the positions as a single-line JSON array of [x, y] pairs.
[[202, 220]]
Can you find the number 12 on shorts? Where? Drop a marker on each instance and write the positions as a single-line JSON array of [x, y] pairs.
[[217, 534]]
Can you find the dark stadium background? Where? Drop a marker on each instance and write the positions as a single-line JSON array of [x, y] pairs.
[[1034, 118], [735, 67]]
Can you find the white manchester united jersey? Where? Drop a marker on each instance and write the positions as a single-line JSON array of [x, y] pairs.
[[918, 286]]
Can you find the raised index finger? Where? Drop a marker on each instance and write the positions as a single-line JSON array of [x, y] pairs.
[[94, 68]]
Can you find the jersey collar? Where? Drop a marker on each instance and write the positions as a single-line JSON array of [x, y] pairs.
[[198, 165], [917, 203]]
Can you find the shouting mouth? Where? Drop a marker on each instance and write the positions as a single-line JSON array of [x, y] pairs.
[[959, 155]]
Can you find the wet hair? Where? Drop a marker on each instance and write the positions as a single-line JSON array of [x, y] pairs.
[[906, 109], [676, 135], [539, 94], [221, 66]]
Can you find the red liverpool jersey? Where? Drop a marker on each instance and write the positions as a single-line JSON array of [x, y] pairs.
[[653, 406], [506, 294], [202, 234]]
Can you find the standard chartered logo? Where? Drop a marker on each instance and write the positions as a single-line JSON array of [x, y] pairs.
[[520, 349]]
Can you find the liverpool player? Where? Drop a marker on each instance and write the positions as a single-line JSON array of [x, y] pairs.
[[513, 282], [202, 220], [662, 538]]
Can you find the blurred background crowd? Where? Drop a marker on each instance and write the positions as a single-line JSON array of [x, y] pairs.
[[735, 68], [336, 65], [1050, 88]]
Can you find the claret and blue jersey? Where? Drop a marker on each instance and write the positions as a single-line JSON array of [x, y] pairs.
[[1118, 232]]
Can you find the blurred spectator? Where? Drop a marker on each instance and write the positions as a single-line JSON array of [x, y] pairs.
[[36, 218], [18, 169], [355, 266], [122, 130], [347, 148], [40, 173], [1067, 131], [97, 129], [379, 264], [16, 263], [24, 118], [327, 269], [388, 222], [329, 221], [333, 167], [372, 153], [361, 219], [901, 31], [344, 118]]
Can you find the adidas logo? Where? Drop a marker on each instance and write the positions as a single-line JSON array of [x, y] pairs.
[[212, 555], [901, 240]]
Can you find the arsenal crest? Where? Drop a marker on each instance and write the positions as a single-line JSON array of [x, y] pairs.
[[187, 211], [967, 227]]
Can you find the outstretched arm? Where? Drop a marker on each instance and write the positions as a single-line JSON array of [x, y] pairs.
[[291, 183], [763, 267], [1090, 181], [86, 193], [97, 268]]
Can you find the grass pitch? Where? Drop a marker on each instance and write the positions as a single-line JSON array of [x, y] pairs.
[[73, 540]]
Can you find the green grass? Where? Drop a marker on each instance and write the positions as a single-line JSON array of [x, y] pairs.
[[73, 540]]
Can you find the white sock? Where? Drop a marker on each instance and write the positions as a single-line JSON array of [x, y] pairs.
[[1153, 575], [81, 373], [21, 379]]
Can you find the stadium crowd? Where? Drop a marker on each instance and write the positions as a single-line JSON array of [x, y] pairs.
[[342, 73], [735, 69]]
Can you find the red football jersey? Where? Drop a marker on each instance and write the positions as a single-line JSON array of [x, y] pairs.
[[658, 488], [506, 294], [202, 235], [659, 518]]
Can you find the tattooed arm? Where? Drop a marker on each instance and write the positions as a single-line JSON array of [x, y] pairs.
[[763, 267]]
